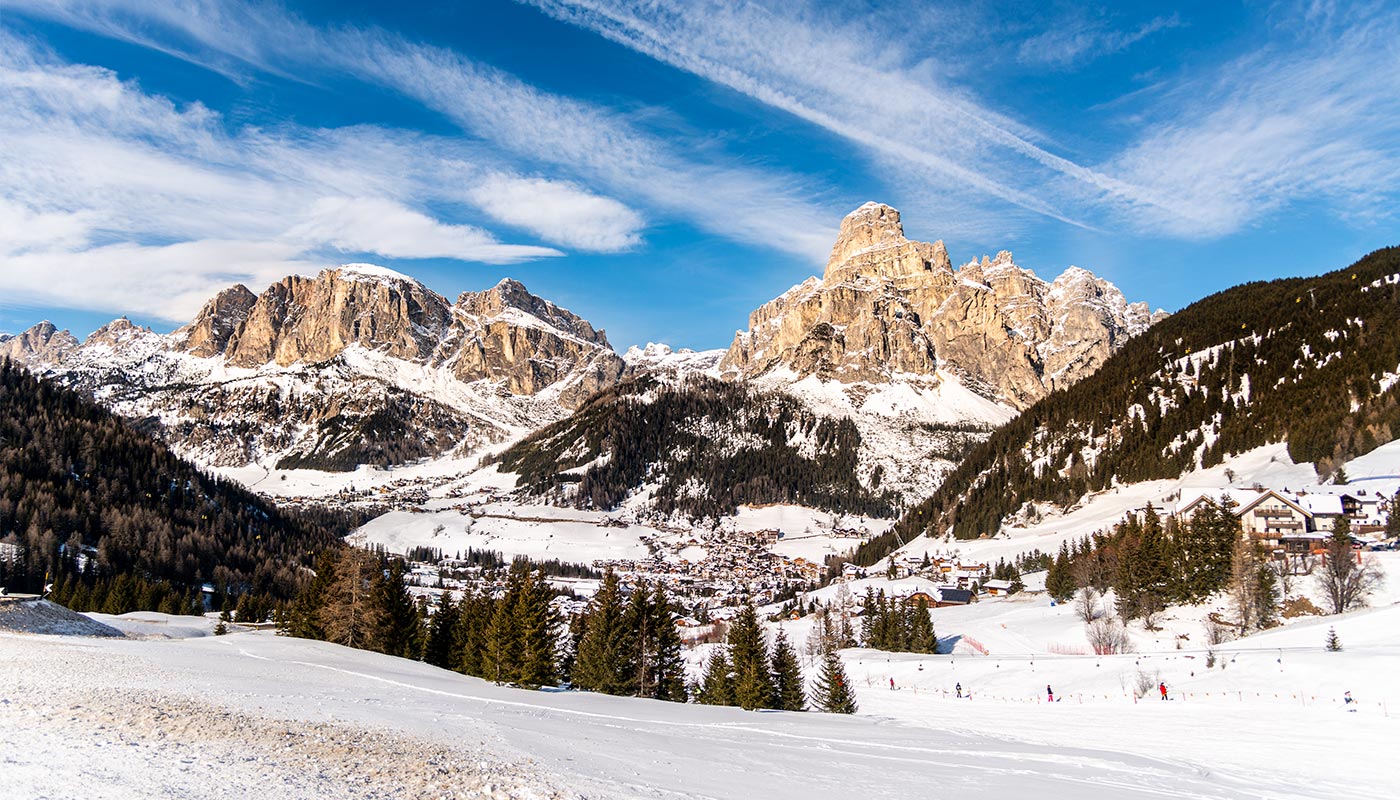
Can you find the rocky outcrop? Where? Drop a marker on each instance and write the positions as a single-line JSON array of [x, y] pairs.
[[357, 365], [222, 317], [42, 344], [889, 309], [310, 320], [510, 335]]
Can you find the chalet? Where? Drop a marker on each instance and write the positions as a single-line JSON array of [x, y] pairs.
[[997, 587], [953, 597], [1264, 514]]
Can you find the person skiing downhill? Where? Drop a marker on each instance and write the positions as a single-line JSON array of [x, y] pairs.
[[958, 689], [891, 684], [1049, 694], [1162, 687]]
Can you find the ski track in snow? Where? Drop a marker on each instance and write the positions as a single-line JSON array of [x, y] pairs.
[[153, 696]]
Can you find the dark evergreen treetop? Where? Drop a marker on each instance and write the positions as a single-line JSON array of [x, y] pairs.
[[1301, 360]]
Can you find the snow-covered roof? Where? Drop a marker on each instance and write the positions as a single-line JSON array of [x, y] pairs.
[[1321, 503]]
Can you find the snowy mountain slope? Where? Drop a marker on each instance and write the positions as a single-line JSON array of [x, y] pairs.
[[359, 365], [1190, 392], [180, 711]]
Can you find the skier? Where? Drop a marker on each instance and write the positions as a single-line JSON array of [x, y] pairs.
[[1162, 687], [891, 684], [958, 688], [1349, 702], [1049, 694]]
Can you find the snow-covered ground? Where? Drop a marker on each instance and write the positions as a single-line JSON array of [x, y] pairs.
[[255, 714]]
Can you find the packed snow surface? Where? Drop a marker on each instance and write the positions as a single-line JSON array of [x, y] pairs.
[[253, 713]]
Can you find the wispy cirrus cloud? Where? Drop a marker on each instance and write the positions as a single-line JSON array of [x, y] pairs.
[[1077, 41], [865, 85], [1312, 117], [593, 145]]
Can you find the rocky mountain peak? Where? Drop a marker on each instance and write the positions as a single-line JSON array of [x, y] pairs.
[[891, 309], [872, 244], [42, 343], [208, 334], [311, 320]]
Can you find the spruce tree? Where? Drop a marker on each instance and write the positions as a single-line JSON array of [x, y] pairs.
[[1059, 582], [748, 654], [717, 684], [303, 616], [500, 655], [787, 676], [833, 690], [535, 621], [397, 627], [669, 681], [1334, 643], [442, 633], [922, 638], [603, 652]]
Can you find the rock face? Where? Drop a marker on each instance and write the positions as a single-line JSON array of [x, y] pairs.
[[888, 309], [358, 365], [43, 342]]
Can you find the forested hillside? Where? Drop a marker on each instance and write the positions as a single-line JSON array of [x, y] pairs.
[[706, 447], [84, 496], [1310, 361]]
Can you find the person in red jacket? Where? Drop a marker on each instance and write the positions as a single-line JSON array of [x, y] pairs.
[[1162, 687]]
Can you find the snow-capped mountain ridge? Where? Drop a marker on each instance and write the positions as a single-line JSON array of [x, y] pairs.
[[359, 364]]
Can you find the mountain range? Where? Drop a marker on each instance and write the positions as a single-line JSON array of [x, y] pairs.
[[363, 365]]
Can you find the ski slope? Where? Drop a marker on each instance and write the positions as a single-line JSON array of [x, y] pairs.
[[253, 713]]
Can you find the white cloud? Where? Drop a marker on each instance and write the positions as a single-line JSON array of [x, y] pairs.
[[559, 212], [168, 282], [597, 146], [98, 172], [861, 84], [370, 225]]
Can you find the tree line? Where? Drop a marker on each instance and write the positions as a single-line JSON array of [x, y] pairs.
[[86, 498], [622, 644]]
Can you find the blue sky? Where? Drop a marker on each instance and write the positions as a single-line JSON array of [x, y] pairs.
[[662, 168]]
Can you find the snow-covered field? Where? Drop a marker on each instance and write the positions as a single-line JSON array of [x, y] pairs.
[[254, 714]]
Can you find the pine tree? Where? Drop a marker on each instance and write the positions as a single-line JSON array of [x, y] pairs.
[[397, 628], [717, 684], [748, 654], [1334, 644], [442, 633], [833, 690], [222, 628], [603, 652], [787, 676]]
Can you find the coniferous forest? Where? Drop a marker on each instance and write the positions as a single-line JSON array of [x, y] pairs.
[[116, 521], [1309, 361], [711, 445]]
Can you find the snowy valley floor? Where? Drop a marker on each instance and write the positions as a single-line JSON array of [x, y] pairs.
[[252, 714]]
